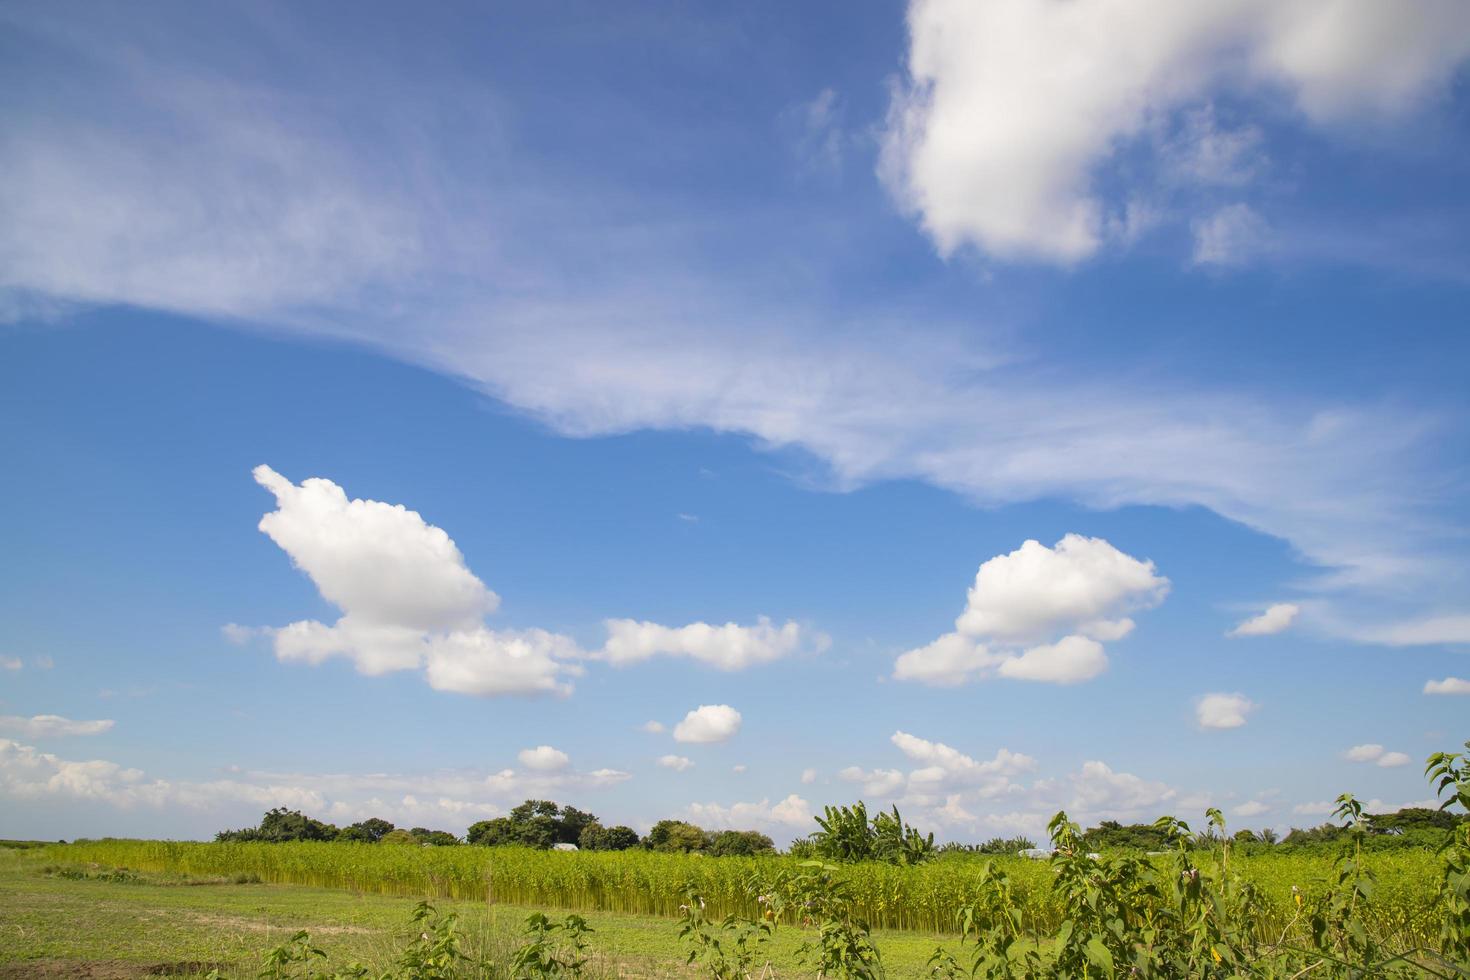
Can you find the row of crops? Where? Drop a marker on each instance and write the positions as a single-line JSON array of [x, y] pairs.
[[924, 897]]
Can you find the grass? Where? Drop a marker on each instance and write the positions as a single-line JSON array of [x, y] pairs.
[[150, 919]]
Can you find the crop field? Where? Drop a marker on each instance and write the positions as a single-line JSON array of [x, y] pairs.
[[923, 897]]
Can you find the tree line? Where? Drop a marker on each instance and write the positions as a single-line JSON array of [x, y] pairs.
[[844, 834]]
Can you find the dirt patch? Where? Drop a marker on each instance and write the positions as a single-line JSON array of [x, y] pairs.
[[260, 925], [99, 970]]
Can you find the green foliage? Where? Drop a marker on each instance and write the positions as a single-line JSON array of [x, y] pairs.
[[677, 837], [740, 843], [534, 823], [279, 825], [596, 837], [1111, 835], [293, 958], [729, 950], [368, 831], [437, 838], [399, 836], [847, 835], [843, 946], [552, 949], [1449, 774], [436, 953]]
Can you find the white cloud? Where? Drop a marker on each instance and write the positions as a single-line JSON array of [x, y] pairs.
[[454, 796], [267, 211], [1218, 711], [380, 563], [1008, 110], [42, 726], [408, 600], [817, 131], [880, 783], [1363, 753], [1277, 617], [652, 727], [1068, 661], [1232, 235], [544, 758], [739, 768], [678, 763], [11, 663], [1035, 590], [949, 661], [727, 647], [791, 813], [489, 662], [1080, 588], [708, 723], [808, 776], [1391, 759], [1251, 808], [1097, 789], [1425, 631], [1450, 685]]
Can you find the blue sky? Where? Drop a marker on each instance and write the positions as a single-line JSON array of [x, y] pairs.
[[676, 361]]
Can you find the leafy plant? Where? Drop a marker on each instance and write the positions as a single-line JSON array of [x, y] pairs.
[[544, 954], [728, 950]]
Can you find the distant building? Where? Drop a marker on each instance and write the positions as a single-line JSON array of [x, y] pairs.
[[563, 847]]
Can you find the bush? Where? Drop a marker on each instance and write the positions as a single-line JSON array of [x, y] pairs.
[[741, 843], [280, 825], [596, 837]]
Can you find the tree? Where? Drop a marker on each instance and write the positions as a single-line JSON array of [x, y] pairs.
[[741, 843], [676, 836], [399, 836], [492, 833], [368, 831], [847, 834], [571, 823], [279, 825], [534, 823], [438, 838], [596, 837]]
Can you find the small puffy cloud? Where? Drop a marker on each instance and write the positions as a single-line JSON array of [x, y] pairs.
[[1363, 753], [42, 726], [1233, 235], [1068, 661], [1035, 590], [408, 600], [949, 661], [708, 723], [678, 763], [652, 727], [11, 663], [380, 563], [544, 758], [1275, 619], [739, 768], [1375, 753], [1219, 711], [1450, 685], [791, 813], [728, 647], [1251, 808], [808, 776], [1040, 614]]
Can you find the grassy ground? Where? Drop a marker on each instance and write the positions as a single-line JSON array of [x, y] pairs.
[[109, 926]]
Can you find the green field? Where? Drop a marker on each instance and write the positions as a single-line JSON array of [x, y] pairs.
[[122, 908], [105, 924], [922, 898]]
